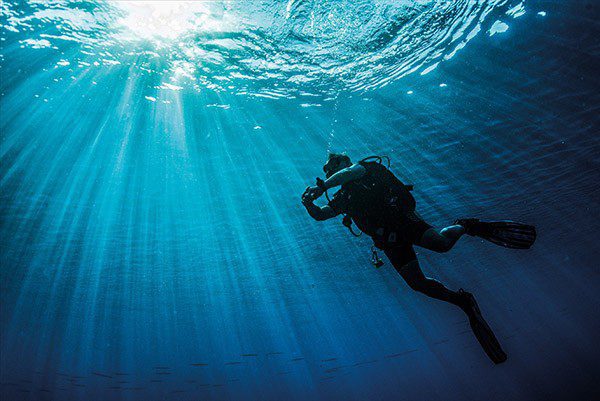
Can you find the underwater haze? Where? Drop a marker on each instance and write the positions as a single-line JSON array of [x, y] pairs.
[[152, 159]]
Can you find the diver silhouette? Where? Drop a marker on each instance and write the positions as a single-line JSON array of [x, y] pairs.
[[381, 206]]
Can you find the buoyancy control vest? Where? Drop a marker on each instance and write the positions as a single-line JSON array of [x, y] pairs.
[[376, 199]]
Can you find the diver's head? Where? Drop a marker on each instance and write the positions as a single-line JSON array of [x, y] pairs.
[[335, 163]]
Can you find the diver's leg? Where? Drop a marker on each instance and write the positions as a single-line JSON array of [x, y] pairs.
[[414, 277], [405, 263], [441, 240]]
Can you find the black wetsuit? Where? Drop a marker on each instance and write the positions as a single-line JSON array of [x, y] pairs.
[[382, 207]]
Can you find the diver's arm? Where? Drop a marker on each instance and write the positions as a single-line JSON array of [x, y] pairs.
[[354, 172], [316, 212], [319, 213]]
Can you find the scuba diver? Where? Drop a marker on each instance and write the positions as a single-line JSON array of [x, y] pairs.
[[381, 206]]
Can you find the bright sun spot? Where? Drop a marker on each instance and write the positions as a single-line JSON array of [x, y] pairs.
[[164, 20]]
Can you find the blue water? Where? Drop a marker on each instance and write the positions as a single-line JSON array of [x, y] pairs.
[[153, 154]]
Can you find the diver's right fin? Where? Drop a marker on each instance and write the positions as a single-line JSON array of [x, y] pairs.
[[506, 233]]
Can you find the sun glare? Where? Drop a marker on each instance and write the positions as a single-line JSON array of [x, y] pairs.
[[164, 20]]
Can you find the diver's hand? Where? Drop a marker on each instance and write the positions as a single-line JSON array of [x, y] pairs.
[[306, 197], [311, 193]]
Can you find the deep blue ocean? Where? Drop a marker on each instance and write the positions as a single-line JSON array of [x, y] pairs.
[[152, 159]]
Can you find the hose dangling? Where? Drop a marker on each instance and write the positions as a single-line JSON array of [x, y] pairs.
[[347, 222]]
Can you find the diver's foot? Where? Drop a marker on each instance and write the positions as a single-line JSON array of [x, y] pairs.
[[470, 225]]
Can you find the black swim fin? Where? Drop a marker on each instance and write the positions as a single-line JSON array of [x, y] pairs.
[[484, 334], [506, 233]]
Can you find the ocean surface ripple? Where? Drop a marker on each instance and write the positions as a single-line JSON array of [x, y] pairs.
[[268, 48]]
